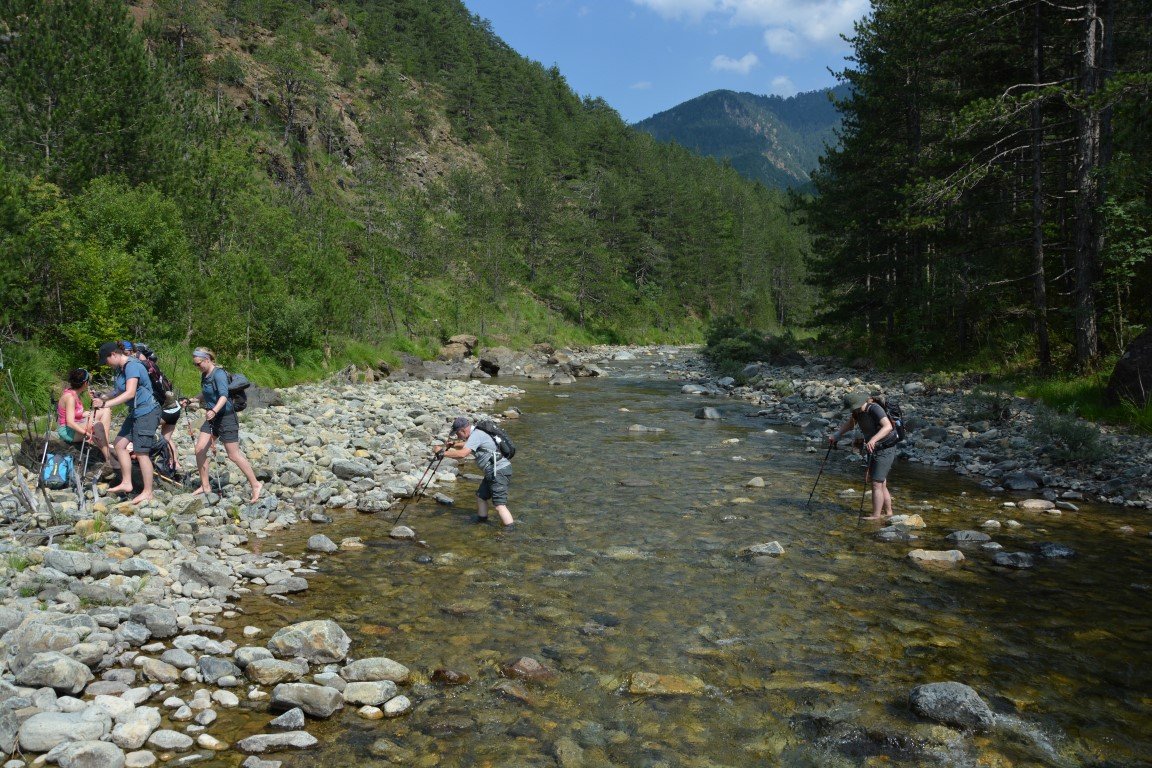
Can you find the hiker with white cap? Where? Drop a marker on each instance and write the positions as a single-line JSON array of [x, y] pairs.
[[879, 446], [496, 468]]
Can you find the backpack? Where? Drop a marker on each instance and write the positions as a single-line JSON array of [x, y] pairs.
[[161, 385], [57, 471], [499, 436], [237, 385], [895, 415]]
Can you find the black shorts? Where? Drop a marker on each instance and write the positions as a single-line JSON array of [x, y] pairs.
[[171, 417], [225, 427], [881, 464], [141, 430]]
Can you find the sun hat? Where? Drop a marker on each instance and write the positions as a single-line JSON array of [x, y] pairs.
[[854, 400], [458, 424]]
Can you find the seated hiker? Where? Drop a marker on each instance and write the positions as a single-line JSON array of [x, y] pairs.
[[76, 424], [134, 388]]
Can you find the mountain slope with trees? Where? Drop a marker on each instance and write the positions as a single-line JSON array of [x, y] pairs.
[[774, 140], [273, 177]]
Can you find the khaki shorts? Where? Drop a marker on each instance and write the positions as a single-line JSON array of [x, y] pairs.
[[494, 487]]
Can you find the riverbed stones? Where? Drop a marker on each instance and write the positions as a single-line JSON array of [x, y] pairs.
[[952, 703], [292, 720], [708, 413], [264, 742], [969, 537], [1053, 550], [43, 731], [133, 731], [1037, 505], [771, 548], [652, 684], [1017, 560], [166, 740], [376, 668], [527, 668], [274, 671], [319, 641], [948, 557], [87, 754], [369, 693], [321, 543], [55, 670], [316, 700]]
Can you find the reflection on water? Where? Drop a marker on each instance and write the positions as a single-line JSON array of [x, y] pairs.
[[626, 562]]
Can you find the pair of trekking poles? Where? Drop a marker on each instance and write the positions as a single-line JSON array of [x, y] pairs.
[[425, 479], [867, 472]]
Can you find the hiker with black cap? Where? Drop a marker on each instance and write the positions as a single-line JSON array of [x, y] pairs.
[[873, 421], [132, 386], [497, 469]]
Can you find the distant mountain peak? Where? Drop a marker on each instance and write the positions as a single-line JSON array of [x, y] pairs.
[[775, 140]]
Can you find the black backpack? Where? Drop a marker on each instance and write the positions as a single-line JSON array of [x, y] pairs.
[[161, 385], [895, 415], [237, 390], [499, 436]]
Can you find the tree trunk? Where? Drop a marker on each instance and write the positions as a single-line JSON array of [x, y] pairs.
[[1039, 287], [1088, 188]]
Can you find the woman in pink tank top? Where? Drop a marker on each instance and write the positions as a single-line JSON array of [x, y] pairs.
[[75, 423]]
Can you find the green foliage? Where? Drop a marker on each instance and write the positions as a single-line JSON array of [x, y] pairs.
[[1065, 437], [987, 404], [33, 371], [730, 346]]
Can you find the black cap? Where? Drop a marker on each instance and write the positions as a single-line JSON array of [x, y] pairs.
[[458, 424], [107, 348]]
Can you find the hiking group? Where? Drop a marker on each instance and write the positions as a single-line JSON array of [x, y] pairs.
[[152, 406]]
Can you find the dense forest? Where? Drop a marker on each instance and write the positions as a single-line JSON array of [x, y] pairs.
[[275, 176], [992, 193]]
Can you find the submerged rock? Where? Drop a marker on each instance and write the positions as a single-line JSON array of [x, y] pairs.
[[651, 684], [953, 704]]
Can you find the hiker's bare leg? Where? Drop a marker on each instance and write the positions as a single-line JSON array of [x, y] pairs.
[[166, 431], [505, 514], [241, 461], [203, 443], [482, 508], [100, 431], [125, 458], [146, 476], [880, 499]]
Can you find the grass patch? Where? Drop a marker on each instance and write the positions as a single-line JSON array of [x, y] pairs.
[[1084, 396]]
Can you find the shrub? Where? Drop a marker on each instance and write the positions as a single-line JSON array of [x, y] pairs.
[[987, 405], [1066, 437], [730, 346]]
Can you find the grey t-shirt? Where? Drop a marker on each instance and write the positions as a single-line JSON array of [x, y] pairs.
[[484, 450]]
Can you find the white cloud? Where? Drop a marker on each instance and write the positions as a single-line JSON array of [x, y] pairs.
[[809, 22], [643, 85], [784, 42], [743, 65], [782, 85]]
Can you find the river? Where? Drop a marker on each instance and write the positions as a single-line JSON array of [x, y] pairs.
[[625, 561]]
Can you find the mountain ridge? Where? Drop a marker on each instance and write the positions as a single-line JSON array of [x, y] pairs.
[[771, 139]]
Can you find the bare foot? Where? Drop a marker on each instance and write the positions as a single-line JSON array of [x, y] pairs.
[[142, 498], [256, 493], [120, 488], [873, 517], [200, 492]]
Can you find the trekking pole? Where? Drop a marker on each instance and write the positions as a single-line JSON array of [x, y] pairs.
[[418, 492], [864, 490], [827, 453]]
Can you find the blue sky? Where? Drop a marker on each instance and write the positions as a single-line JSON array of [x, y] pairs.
[[646, 56]]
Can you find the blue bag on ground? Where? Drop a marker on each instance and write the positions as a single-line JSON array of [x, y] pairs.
[[57, 471]]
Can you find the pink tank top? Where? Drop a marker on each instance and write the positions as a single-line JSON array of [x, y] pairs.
[[79, 410]]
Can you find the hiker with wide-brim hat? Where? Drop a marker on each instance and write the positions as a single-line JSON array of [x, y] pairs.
[[132, 386], [497, 469], [872, 420], [220, 423]]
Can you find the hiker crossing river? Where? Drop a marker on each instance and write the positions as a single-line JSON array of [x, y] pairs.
[[668, 598]]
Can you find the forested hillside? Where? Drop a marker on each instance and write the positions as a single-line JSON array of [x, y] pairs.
[[993, 187], [271, 177], [771, 139]]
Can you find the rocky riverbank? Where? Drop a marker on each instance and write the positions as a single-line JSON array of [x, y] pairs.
[[1000, 441], [111, 646]]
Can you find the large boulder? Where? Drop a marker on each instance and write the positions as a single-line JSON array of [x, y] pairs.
[[321, 641], [953, 704], [45, 730], [315, 700], [374, 669], [497, 361], [1131, 379], [55, 670]]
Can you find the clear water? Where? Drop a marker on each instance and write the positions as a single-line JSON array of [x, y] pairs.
[[626, 562]]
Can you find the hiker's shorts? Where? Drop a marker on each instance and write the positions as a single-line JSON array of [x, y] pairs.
[[141, 430], [67, 434], [881, 464], [171, 415], [225, 427], [494, 487]]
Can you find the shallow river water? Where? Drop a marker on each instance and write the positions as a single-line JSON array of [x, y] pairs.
[[626, 562]]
